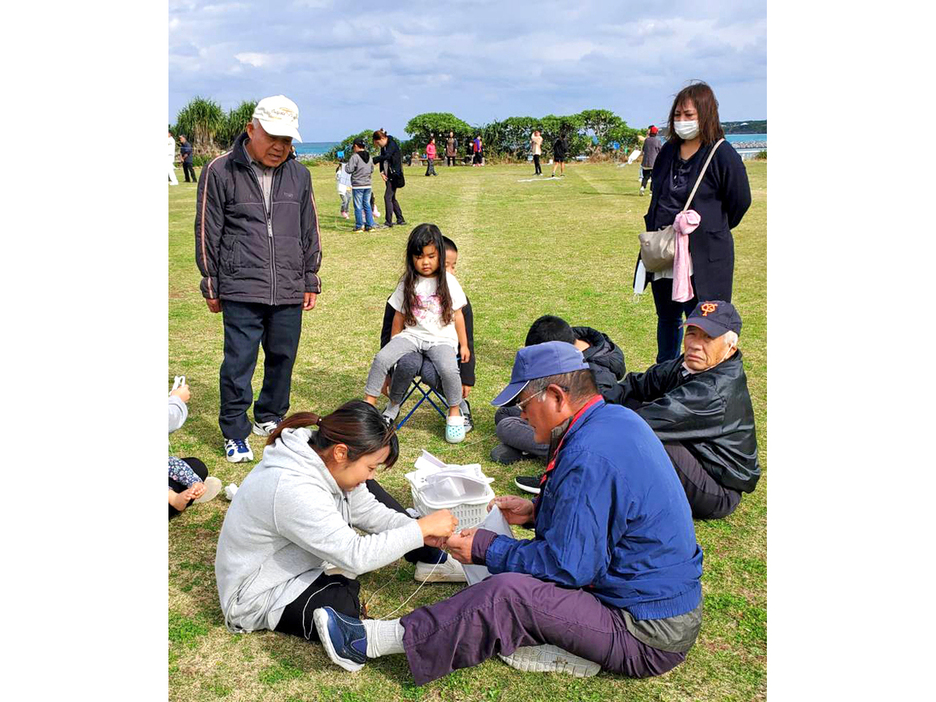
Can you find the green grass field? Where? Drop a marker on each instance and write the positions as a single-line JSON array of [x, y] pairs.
[[564, 247]]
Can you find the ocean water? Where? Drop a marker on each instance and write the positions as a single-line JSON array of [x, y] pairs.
[[735, 138], [315, 148]]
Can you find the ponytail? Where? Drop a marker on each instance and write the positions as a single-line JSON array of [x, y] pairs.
[[380, 134], [356, 424]]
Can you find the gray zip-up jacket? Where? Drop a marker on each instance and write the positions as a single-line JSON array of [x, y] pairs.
[[250, 253], [287, 519], [361, 168]]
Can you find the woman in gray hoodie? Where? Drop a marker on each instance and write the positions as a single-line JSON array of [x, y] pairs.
[[288, 544]]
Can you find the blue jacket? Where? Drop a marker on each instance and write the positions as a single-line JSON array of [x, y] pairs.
[[614, 519]]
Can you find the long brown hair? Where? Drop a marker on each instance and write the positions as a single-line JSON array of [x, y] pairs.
[[702, 97], [356, 424], [421, 236]]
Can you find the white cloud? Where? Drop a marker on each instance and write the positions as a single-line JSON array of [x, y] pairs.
[[255, 60]]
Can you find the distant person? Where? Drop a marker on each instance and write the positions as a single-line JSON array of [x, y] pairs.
[[188, 477], [361, 168], [185, 151], [172, 160], [390, 163], [723, 197], [451, 149], [430, 157], [560, 151], [651, 147], [699, 406], [536, 146], [343, 182], [259, 266], [477, 147]]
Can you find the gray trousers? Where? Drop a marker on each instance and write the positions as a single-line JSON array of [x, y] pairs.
[[407, 368], [516, 432], [442, 356]]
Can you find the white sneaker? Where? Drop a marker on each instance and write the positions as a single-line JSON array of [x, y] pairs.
[[266, 428], [449, 572], [237, 451], [212, 488], [550, 659], [641, 191]]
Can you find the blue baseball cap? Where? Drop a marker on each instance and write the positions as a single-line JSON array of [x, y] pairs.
[[715, 317], [539, 361]]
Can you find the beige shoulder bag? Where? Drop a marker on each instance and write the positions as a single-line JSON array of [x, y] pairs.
[[657, 249]]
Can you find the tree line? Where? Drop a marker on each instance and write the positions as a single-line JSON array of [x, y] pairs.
[[211, 131]]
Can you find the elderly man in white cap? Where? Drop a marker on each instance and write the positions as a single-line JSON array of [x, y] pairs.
[[257, 247]]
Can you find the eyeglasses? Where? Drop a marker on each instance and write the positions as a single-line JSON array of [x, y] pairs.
[[523, 403]]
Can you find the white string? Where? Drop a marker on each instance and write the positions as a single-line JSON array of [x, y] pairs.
[[384, 618]]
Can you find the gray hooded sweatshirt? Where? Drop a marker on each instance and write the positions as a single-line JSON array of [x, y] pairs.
[[361, 168], [287, 519]]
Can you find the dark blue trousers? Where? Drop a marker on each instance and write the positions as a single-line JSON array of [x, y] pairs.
[[669, 318], [247, 327]]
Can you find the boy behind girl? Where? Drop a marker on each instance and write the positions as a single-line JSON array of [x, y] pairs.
[[414, 364], [606, 361]]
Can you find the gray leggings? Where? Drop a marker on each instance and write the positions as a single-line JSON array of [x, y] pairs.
[[442, 356]]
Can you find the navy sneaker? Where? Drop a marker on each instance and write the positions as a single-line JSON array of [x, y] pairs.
[[237, 451], [343, 637]]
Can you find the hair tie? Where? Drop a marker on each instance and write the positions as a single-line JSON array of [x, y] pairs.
[[318, 421]]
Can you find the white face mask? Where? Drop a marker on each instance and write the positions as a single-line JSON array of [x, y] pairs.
[[688, 129]]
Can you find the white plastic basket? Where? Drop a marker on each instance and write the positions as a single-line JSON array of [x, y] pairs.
[[469, 512]]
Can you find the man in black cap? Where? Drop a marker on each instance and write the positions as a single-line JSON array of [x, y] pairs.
[[699, 406]]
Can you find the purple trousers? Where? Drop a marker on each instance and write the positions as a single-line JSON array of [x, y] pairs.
[[509, 610]]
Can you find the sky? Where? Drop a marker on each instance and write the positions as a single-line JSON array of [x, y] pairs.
[[352, 66]]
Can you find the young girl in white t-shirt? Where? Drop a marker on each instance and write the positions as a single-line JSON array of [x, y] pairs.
[[428, 302]]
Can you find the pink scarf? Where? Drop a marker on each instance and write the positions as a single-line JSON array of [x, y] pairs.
[[686, 223]]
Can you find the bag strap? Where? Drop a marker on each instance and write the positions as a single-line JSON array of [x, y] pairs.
[[702, 174]]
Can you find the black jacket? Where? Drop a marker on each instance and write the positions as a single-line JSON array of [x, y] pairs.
[[390, 160], [246, 254], [606, 361], [466, 370], [709, 413], [721, 201]]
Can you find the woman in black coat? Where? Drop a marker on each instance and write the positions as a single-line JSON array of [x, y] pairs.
[[390, 163], [721, 201]]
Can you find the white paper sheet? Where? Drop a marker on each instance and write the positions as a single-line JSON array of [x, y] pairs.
[[493, 522]]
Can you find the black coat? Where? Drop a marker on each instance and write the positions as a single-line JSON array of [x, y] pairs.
[[390, 160], [721, 201], [606, 361], [243, 253], [466, 370], [709, 413]]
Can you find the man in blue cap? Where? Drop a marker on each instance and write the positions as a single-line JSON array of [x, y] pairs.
[[612, 578], [699, 406]]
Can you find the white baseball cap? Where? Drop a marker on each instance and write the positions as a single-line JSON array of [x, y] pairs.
[[279, 116]]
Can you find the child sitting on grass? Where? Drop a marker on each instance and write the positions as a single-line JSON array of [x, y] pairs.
[[428, 318], [413, 364], [188, 477]]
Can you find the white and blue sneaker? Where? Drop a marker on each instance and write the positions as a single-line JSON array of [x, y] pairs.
[[266, 428], [344, 638], [237, 451]]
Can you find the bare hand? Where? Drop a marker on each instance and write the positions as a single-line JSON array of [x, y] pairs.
[[516, 510], [308, 301], [384, 176], [214, 305], [182, 392], [385, 390], [441, 523], [459, 545], [466, 390], [435, 541], [465, 353]]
